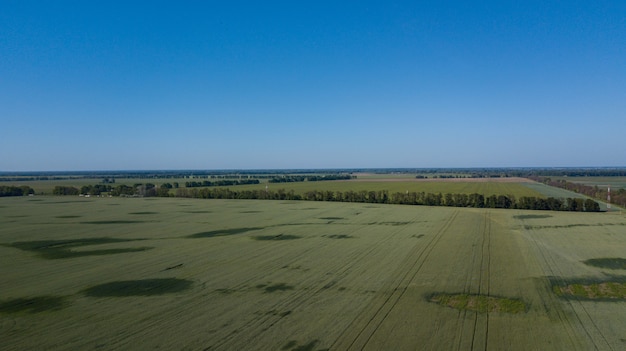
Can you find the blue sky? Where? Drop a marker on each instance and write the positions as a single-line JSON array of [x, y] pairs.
[[94, 85]]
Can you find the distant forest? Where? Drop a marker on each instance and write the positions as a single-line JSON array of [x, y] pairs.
[[276, 174]]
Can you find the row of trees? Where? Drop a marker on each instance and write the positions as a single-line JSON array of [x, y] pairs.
[[15, 190], [95, 189], [309, 178], [65, 190], [408, 198], [225, 182], [383, 197], [618, 196]]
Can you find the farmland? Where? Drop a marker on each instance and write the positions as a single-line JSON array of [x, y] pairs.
[[516, 187], [601, 182], [146, 273]]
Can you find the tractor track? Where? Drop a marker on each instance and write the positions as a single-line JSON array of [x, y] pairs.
[[405, 273], [306, 289], [551, 267]]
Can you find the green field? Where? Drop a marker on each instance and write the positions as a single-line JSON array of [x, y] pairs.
[[601, 182], [460, 187], [390, 183], [184, 274]]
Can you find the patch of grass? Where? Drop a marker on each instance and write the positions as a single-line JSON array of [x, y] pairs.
[[593, 290], [571, 225], [143, 213], [276, 237], [33, 304], [610, 263], [532, 216], [224, 232], [56, 249], [479, 303], [145, 287]]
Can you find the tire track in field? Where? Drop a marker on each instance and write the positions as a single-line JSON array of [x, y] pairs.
[[478, 268], [551, 266], [467, 289], [255, 327], [404, 274], [484, 282]]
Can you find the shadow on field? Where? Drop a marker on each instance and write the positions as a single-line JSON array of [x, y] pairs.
[[146, 287], [276, 237], [532, 216], [292, 345], [33, 304], [612, 289], [607, 262], [274, 287], [224, 232], [112, 222], [57, 249], [338, 236]]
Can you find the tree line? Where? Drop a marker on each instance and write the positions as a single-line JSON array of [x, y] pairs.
[[474, 200], [618, 196], [309, 178], [408, 198], [15, 190], [225, 182]]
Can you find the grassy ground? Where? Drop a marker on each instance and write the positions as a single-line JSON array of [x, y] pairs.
[[129, 274]]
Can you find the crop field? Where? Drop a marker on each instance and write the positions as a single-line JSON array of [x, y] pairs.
[[186, 274], [601, 182], [487, 188], [550, 191], [517, 187]]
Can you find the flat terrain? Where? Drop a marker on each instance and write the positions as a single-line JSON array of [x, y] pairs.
[[601, 182], [401, 185], [517, 187], [184, 274]]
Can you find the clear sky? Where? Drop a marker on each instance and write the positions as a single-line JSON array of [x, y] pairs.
[[133, 85]]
